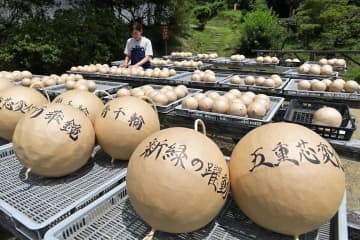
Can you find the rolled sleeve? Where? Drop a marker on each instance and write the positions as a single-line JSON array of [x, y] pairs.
[[127, 48], [148, 49]]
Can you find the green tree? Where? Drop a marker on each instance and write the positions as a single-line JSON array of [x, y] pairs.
[[44, 38], [327, 24], [261, 30], [204, 12]]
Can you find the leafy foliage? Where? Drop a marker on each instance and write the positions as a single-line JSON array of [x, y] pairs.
[[45, 37], [327, 24], [204, 12], [261, 30]]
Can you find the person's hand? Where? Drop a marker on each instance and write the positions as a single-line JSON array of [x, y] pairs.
[[133, 66], [124, 65]]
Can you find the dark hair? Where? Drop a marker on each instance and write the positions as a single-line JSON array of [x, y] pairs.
[[137, 26]]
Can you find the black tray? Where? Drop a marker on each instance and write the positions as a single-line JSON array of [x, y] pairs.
[[292, 90], [186, 79], [301, 112], [110, 87], [275, 104], [295, 74], [259, 89], [167, 108]]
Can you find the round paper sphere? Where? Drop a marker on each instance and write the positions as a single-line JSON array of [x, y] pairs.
[[54, 140], [177, 180], [123, 123], [87, 102], [286, 178], [15, 102]]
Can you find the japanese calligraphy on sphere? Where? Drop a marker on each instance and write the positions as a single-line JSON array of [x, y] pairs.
[[123, 123], [86, 102], [286, 178], [177, 180], [56, 118], [54, 140], [14, 103], [189, 155]]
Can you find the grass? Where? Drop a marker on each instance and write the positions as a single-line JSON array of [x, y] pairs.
[[218, 36], [353, 73]]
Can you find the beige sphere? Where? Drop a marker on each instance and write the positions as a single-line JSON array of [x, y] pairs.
[[190, 103], [327, 116], [260, 59], [5, 84], [256, 110], [220, 106], [340, 62], [160, 99], [70, 84], [180, 93], [304, 69], [250, 94], [213, 95], [246, 99], [73, 130], [171, 95], [26, 82], [336, 86], [351, 86], [196, 77], [123, 92], [235, 92], [259, 81], [149, 175], [326, 70], [198, 96], [205, 104], [16, 102], [269, 82], [229, 96], [315, 69], [267, 59], [235, 79], [263, 97], [327, 82], [249, 80], [127, 118], [323, 61], [91, 85], [237, 108], [318, 86], [289, 181]]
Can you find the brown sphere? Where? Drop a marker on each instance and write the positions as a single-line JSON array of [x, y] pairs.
[[220, 106], [206, 104], [127, 118], [256, 110], [86, 102], [237, 108], [58, 127], [286, 178], [171, 207], [15, 102], [5, 84], [327, 116], [190, 103], [304, 85]]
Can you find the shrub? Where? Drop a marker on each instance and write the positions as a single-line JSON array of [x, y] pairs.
[[261, 30]]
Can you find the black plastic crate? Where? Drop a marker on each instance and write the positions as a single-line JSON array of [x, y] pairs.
[[302, 111]]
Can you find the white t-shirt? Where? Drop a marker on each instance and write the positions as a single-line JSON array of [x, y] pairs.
[[144, 45], [137, 50]]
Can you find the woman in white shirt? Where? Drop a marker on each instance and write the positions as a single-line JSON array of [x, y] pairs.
[[138, 49]]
